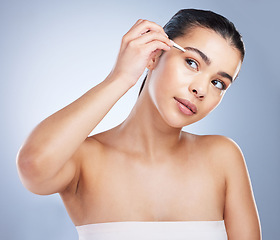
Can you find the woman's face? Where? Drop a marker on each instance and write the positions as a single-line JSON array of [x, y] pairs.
[[185, 87]]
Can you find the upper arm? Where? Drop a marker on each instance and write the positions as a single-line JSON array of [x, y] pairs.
[[66, 178], [35, 180], [240, 213]]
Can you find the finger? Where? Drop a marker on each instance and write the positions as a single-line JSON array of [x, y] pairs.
[[134, 26], [154, 46], [152, 36], [139, 21], [141, 28], [146, 26]]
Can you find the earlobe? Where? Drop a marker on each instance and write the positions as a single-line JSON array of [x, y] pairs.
[[154, 59]]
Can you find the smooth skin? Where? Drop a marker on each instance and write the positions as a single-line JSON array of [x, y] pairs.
[[147, 168]]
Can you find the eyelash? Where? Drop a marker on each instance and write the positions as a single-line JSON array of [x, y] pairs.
[[189, 61], [223, 84]]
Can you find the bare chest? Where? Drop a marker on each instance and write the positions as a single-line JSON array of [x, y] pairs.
[[125, 191]]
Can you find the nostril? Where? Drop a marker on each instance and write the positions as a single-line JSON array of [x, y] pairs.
[[199, 95]]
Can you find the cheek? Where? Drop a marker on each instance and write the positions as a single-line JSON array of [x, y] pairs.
[[213, 103], [163, 81]]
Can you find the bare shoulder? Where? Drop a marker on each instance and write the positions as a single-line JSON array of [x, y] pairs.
[[240, 213], [88, 160], [218, 146], [93, 148], [228, 154], [221, 151], [223, 146], [98, 142], [222, 141]]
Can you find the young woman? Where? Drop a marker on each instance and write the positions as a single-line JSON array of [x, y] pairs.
[[146, 178]]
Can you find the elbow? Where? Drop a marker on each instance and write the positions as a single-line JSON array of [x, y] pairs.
[[30, 170], [26, 163]]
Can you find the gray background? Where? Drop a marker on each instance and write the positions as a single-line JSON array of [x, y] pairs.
[[51, 52]]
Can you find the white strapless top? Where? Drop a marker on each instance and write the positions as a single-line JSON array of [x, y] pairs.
[[163, 230]]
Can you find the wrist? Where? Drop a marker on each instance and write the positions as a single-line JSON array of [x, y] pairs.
[[121, 79]]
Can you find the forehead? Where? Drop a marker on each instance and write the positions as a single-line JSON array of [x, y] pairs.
[[219, 50]]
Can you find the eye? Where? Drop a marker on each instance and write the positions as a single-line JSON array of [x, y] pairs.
[[219, 84], [193, 64]]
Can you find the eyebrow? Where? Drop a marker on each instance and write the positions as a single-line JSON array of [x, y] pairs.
[[225, 75], [202, 55], [208, 61]]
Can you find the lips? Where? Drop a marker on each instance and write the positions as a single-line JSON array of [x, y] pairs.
[[187, 104]]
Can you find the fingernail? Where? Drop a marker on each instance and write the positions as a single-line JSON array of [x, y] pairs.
[[172, 43]]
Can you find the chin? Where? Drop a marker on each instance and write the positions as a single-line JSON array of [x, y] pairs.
[[179, 121]]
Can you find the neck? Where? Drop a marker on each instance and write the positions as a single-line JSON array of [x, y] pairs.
[[145, 131]]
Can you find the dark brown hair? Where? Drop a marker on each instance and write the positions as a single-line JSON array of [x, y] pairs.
[[187, 19]]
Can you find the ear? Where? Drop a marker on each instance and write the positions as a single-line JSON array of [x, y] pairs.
[[154, 59]]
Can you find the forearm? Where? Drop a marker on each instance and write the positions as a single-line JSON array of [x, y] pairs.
[[44, 156], [56, 139]]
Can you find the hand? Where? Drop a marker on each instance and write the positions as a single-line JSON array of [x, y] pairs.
[[138, 46]]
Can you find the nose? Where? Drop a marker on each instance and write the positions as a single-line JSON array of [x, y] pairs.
[[198, 89], [199, 94]]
